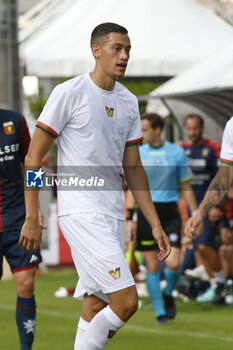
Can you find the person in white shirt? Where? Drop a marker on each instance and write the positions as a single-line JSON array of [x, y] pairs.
[[97, 125], [219, 185]]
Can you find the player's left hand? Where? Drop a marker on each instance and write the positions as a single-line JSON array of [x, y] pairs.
[[163, 243], [42, 220]]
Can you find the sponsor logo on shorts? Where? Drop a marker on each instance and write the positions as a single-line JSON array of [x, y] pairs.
[[173, 237], [9, 128], [33, 258], [111, 333], [109, 111], [115, 273], [35, 178]]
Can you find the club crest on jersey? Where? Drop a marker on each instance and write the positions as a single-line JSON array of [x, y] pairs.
[[188, 152], [9, 128], [158, 160], [111, 333], [205, 152], [115, 274], [109, 111]]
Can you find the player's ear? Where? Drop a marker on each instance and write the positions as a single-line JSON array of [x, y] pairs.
[[95, 51]]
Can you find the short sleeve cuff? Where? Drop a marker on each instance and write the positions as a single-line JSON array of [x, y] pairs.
[[47, 129], [134, 142], [226, 161], [186, 179]]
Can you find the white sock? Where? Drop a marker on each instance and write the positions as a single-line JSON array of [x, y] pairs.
[[101, 329], [82, 327], [218, 278]]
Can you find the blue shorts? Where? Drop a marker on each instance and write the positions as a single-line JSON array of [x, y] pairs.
[[16, 255], [210, 236]]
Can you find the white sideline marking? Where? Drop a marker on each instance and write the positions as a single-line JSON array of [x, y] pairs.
[[177, 333], [41, 311], [132, 327]]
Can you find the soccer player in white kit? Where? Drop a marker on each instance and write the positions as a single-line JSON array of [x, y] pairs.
[[220, 184], [97, 125]]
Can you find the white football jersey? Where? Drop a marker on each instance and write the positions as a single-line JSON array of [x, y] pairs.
[[226, 155], [93, 126]]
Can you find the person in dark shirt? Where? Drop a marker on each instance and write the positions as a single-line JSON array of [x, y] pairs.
[[203, 158], [226, 249], [14, 143]]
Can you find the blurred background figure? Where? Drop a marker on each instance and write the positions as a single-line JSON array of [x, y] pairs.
[[203, 159], [167, 170], [226, 249], [14, 143]]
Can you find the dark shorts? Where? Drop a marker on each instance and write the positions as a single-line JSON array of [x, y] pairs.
[[210, 236], [171, 222], [16, 256]]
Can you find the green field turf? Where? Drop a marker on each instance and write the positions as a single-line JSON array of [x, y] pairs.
[[197, 327]]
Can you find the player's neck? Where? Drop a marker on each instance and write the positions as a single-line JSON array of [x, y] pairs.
[[157, 143], [105, 83], [198, 143]]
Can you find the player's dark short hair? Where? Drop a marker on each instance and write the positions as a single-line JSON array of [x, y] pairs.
[[193, 115], [104, 29], [154, 119]]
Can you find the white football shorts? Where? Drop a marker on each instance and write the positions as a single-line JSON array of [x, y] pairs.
[[97, 244]]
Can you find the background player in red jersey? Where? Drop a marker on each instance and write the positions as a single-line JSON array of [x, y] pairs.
[[203, 158], [226, 249], [14, 143]]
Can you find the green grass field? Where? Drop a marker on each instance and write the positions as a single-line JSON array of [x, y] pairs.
[[196, 327]]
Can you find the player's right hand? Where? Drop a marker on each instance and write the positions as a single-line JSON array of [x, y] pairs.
[[163, 243], [194, 226], [30, 237], [131, 232]]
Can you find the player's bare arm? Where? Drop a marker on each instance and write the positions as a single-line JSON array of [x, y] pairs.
[[131, 225], [42, 219], [31, 234], [188, 194], [137, 181], [216, 191]]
